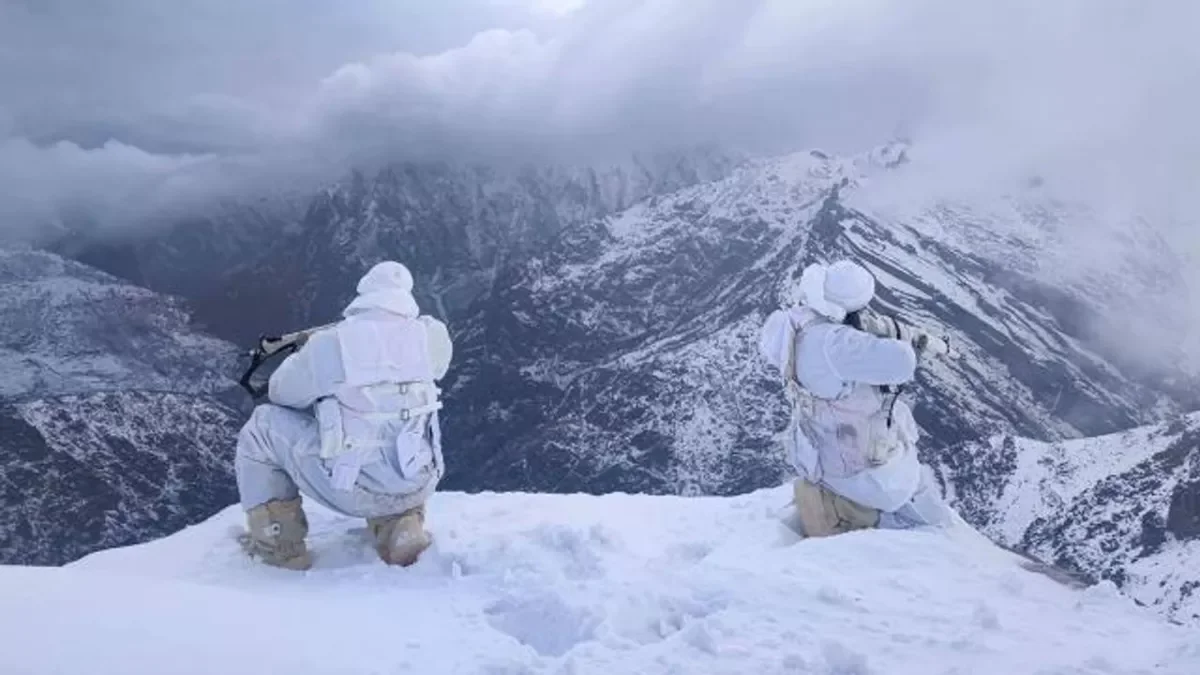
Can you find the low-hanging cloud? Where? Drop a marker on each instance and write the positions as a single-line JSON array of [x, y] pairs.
[[624, 75], [115, 112], [71, 179]]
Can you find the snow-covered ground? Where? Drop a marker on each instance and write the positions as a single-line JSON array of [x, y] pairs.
[[579, 584]]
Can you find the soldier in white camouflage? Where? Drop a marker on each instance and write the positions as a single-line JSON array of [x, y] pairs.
[[352, 423], [851, 439]]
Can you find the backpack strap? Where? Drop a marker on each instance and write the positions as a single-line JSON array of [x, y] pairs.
[[790, 382], [803, 403]]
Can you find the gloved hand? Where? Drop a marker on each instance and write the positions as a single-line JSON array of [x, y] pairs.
[[887, 326], [927, 344]]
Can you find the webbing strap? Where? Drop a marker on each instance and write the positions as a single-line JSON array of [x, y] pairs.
[[796, 392], [790, 381], [409, 413], [403, 414], [803, 400]]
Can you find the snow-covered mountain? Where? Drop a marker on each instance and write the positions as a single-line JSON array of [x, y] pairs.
[[606, 319], [117, 420], [285, 267], [605, 327], [70, 328], [1124, 507], [624, 355], [572, 584]]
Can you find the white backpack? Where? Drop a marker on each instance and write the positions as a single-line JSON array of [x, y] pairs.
[[842, 436]]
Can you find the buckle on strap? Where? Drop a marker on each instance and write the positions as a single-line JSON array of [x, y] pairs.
[[409, 413], [406, 388], [403, 414]]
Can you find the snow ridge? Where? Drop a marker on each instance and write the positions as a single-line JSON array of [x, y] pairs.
[[530, 584]]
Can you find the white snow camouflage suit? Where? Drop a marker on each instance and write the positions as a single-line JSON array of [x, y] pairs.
[[853, 447], [352, 423]]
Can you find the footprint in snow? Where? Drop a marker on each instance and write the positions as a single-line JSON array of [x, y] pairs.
[[544, 622], [689, 553]]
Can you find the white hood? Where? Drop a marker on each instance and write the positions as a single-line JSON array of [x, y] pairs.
[[385, 287], [838, 289]]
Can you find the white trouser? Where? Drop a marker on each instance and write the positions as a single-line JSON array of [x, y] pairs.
[[886, 487], [925, 508], [279, 457], [901, 490]]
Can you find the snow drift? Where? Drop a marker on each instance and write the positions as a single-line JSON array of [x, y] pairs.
[[522, 583]]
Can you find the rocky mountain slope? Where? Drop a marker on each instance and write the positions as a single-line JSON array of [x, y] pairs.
[[117, 420], [1123, 507], [279, 266], [624, 357], [606, 319], [605, 337]]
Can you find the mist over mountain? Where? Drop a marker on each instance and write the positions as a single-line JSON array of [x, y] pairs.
[[991, 97]]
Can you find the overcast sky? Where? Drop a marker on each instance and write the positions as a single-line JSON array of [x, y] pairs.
[[108, 105]]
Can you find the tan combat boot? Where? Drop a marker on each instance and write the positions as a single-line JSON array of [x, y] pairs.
[[277, 532], [400, 539], [823, 512]]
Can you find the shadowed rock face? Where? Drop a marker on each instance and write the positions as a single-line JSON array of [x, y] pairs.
[[90, 472], [1121, 507], [1183, 516]]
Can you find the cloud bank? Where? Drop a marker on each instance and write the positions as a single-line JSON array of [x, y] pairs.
[[125, 109]]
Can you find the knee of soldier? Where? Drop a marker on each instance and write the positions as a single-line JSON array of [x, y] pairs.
[[931, 509], [254, 438]]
